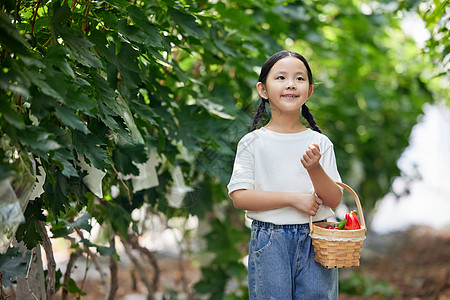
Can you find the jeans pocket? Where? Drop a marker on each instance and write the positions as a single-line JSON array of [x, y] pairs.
[[261, 239]]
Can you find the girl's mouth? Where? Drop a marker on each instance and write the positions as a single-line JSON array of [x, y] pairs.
[[289, 96]]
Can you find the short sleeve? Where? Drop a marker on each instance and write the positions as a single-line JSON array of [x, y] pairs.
[[328, 162], [243, 175]]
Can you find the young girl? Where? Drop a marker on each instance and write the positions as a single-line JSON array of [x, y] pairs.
[[284, 172]]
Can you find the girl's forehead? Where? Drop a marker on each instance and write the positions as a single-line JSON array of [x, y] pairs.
[[289, 64]]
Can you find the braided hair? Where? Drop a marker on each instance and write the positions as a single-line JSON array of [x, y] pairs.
[[268, 64]]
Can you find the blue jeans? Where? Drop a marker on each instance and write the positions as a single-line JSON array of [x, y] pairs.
[[281, 265]]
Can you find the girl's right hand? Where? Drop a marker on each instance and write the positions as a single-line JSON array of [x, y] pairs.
[[307, 203]]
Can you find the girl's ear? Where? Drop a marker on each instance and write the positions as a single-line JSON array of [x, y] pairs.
[[311, 89], [261, 90]]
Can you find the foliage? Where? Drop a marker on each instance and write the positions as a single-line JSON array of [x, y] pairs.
[[12, 264], [94, 90], [363, 284]]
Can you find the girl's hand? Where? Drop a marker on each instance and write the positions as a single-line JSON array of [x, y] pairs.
[[307, 203], [311, 157]]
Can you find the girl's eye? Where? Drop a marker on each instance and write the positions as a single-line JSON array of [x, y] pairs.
[[280, 77], [300, 78]]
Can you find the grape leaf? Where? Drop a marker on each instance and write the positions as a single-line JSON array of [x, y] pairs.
[[12, 265], [124, 156], [31, 232], [68, 117], [103, 250], [40, 141], [82, 222], [91, 147], [10, 36], [152, 38], [63, 157]]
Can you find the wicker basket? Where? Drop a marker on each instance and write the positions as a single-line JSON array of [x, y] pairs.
[[338, 248]]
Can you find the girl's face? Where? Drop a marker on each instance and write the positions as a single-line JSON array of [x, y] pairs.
[[287, 87]]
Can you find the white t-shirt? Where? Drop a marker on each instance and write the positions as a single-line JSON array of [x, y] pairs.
[[270, 161]]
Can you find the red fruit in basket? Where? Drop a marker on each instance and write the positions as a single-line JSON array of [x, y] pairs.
[[319, 225], [329, 226], [352, 221]]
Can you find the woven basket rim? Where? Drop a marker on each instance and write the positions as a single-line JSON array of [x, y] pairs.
[[336, 232]]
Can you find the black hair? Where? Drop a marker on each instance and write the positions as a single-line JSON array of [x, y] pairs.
[[268, 64]]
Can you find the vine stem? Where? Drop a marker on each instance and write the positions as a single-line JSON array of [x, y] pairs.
[[94, 259], [16, 16], [72, 259], [28, 273], [34, 16], [85, 26], [2, 295], [51, 265], [133, 240], [140, 269], [114, 285], [128, 190]]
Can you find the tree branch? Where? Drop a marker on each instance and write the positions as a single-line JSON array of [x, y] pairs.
[[28, 273], [140, 269], [103, 275], [133, 240], [114, 272], [50, 279], [73, 257], [33, 21], [126, 187], [85, 26], [16, 16]]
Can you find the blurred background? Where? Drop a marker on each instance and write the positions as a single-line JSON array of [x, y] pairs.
[[119, 122]]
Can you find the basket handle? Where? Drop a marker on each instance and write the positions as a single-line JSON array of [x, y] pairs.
[[358, 205]]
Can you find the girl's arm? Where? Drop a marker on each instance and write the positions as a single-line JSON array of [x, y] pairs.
[[264, 200], [325, 187]]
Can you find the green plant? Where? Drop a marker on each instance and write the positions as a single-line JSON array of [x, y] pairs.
[[363, 284]]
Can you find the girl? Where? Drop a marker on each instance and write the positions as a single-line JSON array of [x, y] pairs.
[[284, 172]]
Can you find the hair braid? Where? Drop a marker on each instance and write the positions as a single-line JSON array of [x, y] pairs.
[[259, 114], [309, 117]]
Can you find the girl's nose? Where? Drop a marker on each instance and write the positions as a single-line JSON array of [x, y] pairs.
[[290, 84]]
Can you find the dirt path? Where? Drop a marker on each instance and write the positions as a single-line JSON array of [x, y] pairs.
[[416, 262]]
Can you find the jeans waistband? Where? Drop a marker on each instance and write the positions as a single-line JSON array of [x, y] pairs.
[[281, 226]]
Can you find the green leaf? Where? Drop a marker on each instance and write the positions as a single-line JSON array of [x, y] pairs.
[[31, 232], [56, 56], [12, 265], [127, 64], [90, 146], [40, 80], [77, 100], [81, 50], [119, 3], [73, 288], [63, 158], [146, 112], [11, 116], [10, 38], [13, 80], [57, 194], [153, 39], [68, 117], [104, 251], [120, 219], [124, 156], [188, 23], [39, 140], [82, 222], [60, 229]]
